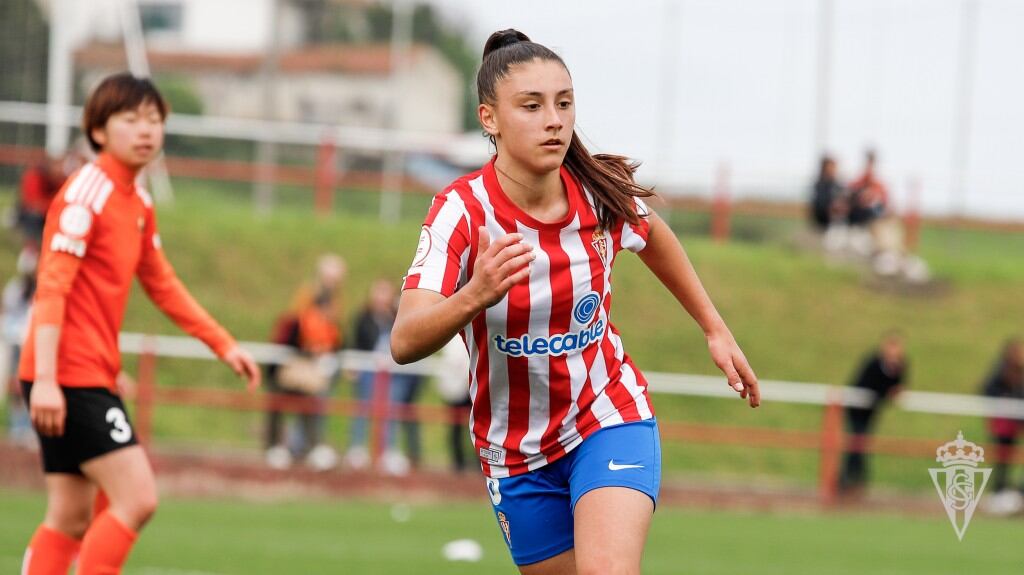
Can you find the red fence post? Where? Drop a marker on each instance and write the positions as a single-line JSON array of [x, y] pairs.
[[721, 207], [831, 444], [146, 381], [912, 216], [325, 175], [379, 413]]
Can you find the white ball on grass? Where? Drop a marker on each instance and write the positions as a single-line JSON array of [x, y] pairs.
[[463, 550]]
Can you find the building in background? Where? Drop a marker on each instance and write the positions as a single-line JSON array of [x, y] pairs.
[[344, 84]]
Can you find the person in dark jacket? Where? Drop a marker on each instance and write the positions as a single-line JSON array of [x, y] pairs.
[[884, 374], [828, 196], [1005, 381], [372, 333]]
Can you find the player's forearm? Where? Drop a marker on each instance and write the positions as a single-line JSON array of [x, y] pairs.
[[167, 292], [667, 259], [47, 338], [187, 314], [422, 330]]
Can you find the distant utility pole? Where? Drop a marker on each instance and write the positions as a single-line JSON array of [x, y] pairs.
[[666, 119], [138, 65], [394, 159], [266, 152], [59, 78], [823, 97], [961, 148]]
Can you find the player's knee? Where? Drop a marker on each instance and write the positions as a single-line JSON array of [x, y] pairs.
[[139, 509], [71, 522], [145, 507]]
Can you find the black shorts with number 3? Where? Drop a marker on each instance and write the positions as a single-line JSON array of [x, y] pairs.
[[96, 424]]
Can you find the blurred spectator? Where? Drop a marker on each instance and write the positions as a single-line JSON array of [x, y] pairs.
[[453, 387], [16, 309], [311, 327], [883, 373], [373, 333], [828, 203], [869, 197], [1006, 381], [403, 394], [39, 185]]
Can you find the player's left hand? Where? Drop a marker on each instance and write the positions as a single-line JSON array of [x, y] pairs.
[[242, 364], [728, 356]]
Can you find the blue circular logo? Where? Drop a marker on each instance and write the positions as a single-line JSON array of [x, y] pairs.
[[586, 308]]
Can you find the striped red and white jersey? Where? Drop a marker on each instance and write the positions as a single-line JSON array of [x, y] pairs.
[[547, 368]]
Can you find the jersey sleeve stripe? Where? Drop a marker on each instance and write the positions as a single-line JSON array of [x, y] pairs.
[[102, 196], [634, 237], [89, 191], [448, 240], [89, 176], [78, 180]]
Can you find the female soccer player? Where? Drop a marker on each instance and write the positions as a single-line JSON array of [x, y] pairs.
[[100, 232], [518, 257]]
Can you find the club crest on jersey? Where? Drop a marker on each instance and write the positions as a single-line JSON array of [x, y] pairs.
[[563, 343], [503, 521], [600, 243], [423, 247]]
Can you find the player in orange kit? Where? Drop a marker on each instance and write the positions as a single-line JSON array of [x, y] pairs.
[[100, 233]]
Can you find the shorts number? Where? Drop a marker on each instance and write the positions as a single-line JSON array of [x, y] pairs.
[[122, 432]]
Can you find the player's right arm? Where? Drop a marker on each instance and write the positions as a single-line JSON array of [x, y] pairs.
[[427, 319], [66, 238]]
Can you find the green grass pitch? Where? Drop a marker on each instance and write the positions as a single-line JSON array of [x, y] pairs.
[[207, 537]]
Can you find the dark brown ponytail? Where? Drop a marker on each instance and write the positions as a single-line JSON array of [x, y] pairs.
[[609, 178]]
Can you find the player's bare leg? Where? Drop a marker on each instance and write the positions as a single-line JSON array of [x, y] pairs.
[[56, 542], [69, 499], [561, 564], [611, 525], [127, 479]]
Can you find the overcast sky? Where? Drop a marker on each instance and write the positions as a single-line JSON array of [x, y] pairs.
[[689, 85]]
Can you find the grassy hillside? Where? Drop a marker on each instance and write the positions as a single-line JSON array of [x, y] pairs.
[[796, 317]]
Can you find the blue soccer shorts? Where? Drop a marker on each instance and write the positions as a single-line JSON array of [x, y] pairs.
[[535, 509]]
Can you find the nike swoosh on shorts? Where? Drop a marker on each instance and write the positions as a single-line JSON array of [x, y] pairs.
[[612, 466]]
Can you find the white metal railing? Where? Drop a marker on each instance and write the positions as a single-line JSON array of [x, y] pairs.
[[659, 382], [282, 132]]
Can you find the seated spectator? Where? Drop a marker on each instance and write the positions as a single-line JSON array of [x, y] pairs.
[[828, 203], [311, 327], [868, 196], [1006, 381]]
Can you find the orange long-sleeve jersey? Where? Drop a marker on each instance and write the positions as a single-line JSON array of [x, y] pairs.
[[100, 232]]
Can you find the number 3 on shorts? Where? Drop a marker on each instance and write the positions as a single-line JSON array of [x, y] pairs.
[[122, 432]]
